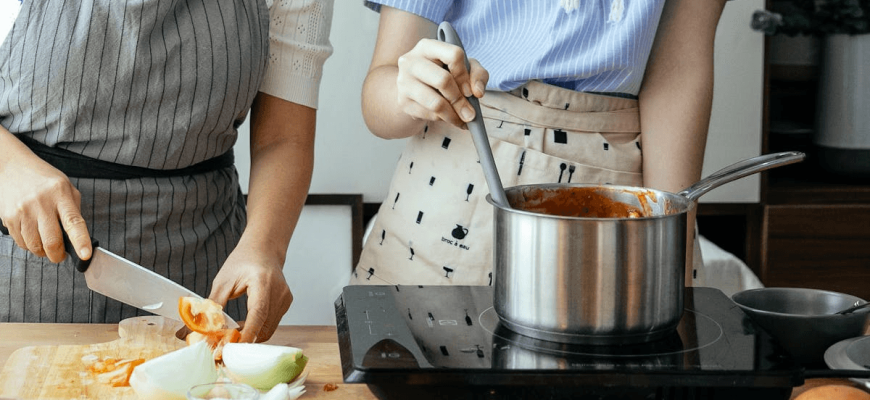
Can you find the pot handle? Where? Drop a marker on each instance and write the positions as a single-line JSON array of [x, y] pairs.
[[739, 170]]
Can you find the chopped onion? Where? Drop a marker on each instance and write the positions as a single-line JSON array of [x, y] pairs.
[[262, 365], [295, 393], [283, 391], [172, 374]]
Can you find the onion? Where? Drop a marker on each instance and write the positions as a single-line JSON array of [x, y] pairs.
[[172, 374], [262, 365], [283, 391]]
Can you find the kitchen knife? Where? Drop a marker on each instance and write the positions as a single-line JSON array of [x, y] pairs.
[[115, 277]]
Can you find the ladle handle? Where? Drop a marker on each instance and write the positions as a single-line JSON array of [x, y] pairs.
[[739, 170], [447, 34]]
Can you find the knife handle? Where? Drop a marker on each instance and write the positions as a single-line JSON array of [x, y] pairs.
[[81, 265]]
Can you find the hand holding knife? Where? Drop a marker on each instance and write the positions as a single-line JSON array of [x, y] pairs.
[[120, 279]]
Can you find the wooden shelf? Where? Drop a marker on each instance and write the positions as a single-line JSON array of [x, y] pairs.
[[793, 191], [808, 182], [794, 73]]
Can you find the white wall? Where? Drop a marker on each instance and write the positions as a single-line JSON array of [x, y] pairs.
[[349, 159], [318, 264], [735, 125]]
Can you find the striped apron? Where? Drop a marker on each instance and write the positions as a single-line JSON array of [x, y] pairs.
[[435, 226], [153, 85]]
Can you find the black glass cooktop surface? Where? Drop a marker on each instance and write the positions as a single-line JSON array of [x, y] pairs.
[[447, 342]]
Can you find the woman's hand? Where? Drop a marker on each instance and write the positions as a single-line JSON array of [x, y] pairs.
[[414, 78], [433, 83], [38, 202], [262, 278]]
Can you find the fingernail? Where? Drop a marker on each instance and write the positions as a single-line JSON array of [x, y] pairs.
[[86, 254], [479, 87], [467, 114], [466, 90]]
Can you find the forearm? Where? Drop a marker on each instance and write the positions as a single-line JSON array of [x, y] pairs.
[[675, 101], [674, 123], [380, 107], [398, 33], [676, 97], [282, 160]]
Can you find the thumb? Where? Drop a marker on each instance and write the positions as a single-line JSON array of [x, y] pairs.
[[76, 230], [255, 320], [219, 294], [479, 78]]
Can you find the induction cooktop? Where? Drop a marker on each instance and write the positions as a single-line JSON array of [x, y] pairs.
[[446, 342]]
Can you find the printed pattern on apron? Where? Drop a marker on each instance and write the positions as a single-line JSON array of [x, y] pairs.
[[154, 84], [435, 226]]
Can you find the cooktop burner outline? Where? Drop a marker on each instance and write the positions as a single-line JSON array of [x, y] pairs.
[[485, 319]]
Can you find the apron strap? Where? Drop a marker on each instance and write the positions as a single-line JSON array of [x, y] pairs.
[[567, 109], [76, 165]]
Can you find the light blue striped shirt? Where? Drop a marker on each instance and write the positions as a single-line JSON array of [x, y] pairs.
[[599, 46]]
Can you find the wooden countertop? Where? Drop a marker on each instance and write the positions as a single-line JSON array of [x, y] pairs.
[[318, 342]]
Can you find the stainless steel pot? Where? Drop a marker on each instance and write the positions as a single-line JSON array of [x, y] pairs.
[[580, 277]]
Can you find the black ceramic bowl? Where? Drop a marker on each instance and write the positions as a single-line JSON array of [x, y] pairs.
[[803, 321]]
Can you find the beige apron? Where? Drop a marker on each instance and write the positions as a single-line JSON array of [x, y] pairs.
[[435, 226]]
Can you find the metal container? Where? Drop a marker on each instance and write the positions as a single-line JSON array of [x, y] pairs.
[[804, 321], [580, 277]]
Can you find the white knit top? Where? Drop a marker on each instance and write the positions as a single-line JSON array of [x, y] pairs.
[[298, 47]]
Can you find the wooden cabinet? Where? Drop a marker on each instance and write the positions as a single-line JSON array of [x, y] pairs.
[[815, 230], [823, 246]]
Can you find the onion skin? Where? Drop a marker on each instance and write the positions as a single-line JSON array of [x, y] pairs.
[[172, 374]]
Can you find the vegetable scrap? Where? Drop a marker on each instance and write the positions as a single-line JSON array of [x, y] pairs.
[[110, 370], [214, 352]]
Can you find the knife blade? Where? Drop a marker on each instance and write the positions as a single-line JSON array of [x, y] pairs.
[[118, 278]]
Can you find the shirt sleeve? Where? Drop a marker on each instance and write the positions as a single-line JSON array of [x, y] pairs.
[[433, 10], [298, 47]]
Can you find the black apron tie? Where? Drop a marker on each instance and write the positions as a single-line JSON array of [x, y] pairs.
[[76, 165]]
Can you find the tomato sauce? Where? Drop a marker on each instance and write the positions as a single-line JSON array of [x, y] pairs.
[[585, 202]]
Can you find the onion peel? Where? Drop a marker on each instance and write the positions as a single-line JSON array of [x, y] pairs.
[[172, 374]]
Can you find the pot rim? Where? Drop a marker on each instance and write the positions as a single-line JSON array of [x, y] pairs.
[[682, 201]]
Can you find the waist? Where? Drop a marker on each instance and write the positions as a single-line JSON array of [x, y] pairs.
[[76, 165], [540, 104]]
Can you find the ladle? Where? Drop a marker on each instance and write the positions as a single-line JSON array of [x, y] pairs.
[[447, 34]]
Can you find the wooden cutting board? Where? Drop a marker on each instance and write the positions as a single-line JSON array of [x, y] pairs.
[[58, 372]]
